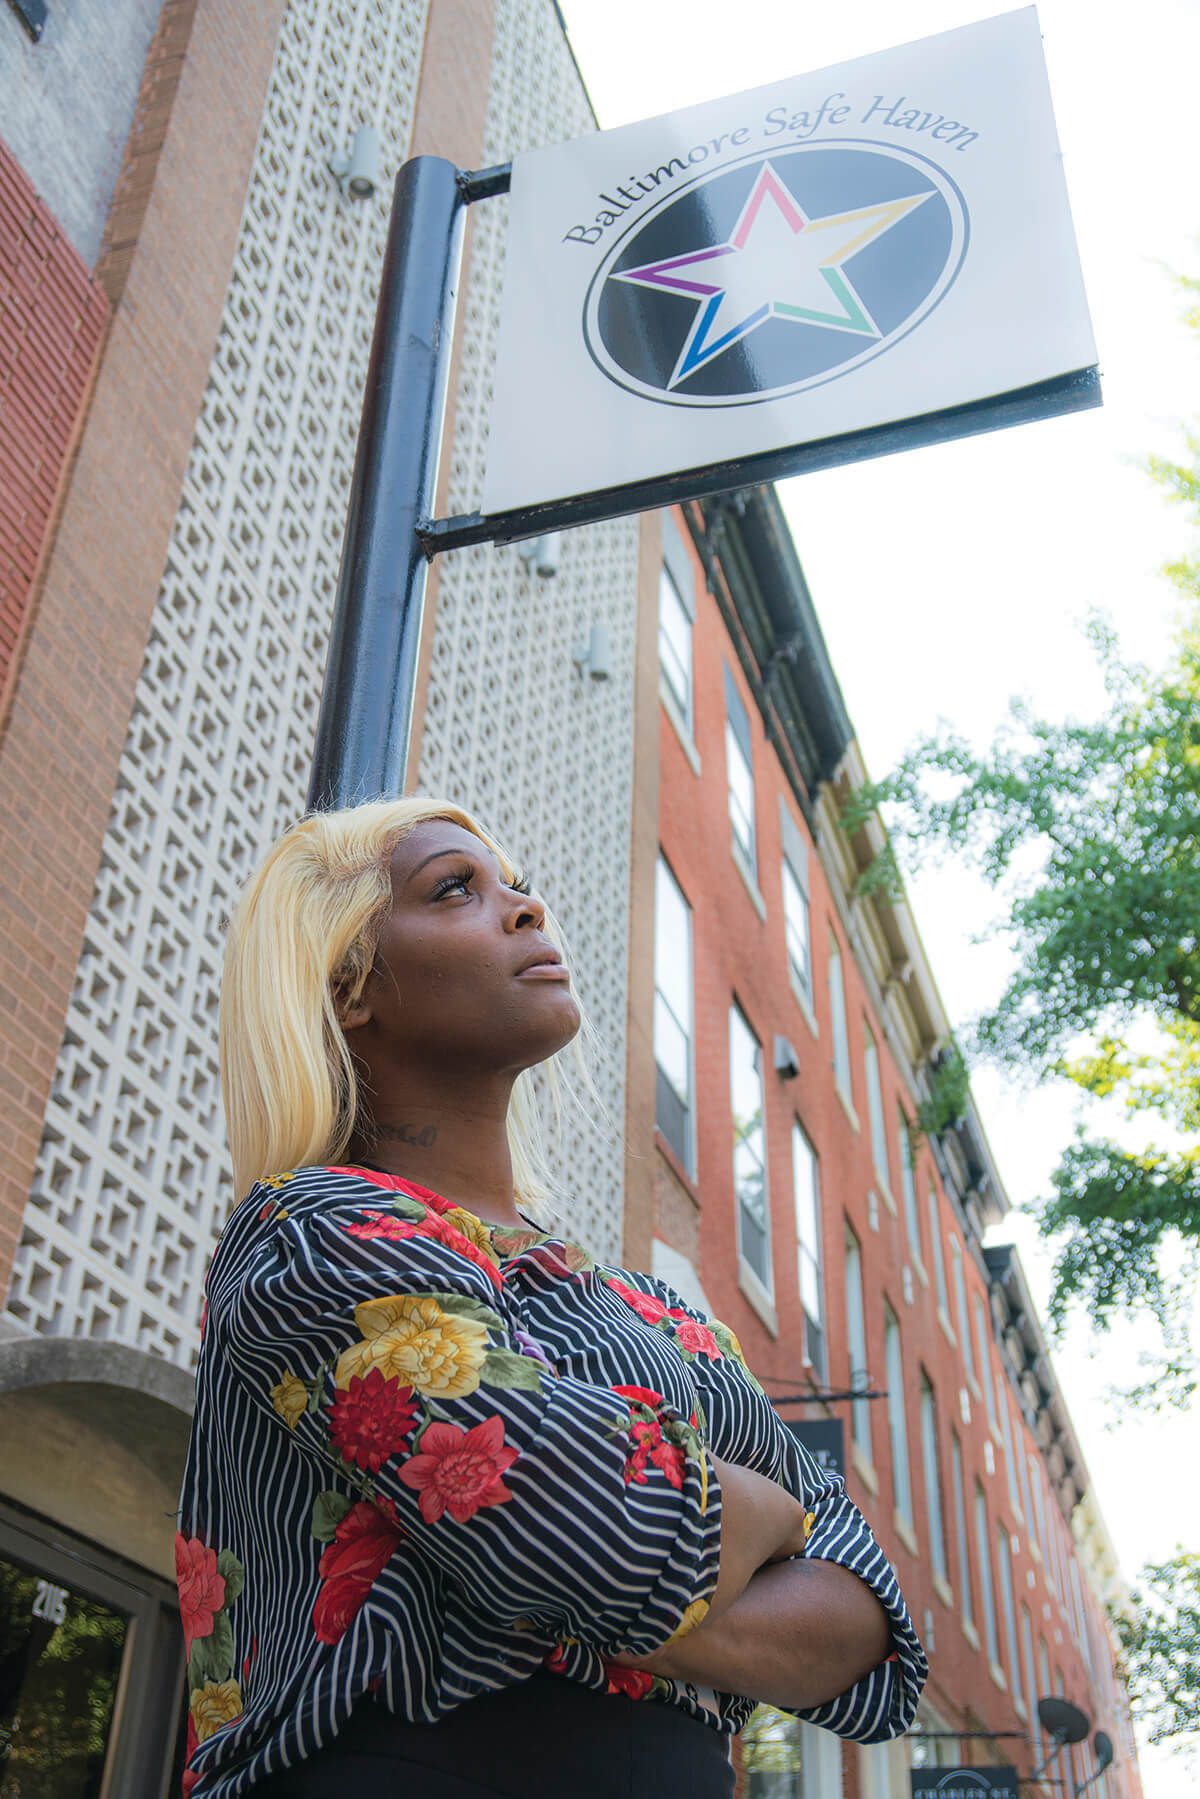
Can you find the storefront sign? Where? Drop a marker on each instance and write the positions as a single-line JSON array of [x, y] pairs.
[[859, 248], [825, 1441], [964, 1783]]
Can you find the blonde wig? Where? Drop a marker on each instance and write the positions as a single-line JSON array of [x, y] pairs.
[[300, 946]]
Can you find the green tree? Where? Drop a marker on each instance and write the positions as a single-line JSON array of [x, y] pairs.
[[1090, 832], [1161, 1641]]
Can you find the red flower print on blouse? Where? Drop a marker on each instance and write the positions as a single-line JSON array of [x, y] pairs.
[[645, 1395], [689, 1334], [201, 1588], [363, 1544], [672, 1460], [635, 1683], [459, 1470], [432, 1226], [644, 1304], [371, 1419]]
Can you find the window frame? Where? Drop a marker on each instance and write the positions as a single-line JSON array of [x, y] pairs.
[[737, 725], [668, 589], [688, 1105], [893, 1355], [987, 1590], [875, 1114], [839, 1028], [934, 1502], [814, 1255], [856, 1341], [966, 1602], [767, 1283]]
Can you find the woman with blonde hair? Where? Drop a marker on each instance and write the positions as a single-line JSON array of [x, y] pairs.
[[466, 1514]]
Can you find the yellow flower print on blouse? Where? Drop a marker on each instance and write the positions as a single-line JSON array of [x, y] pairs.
[[414, 1340], [473, 1229], [696, 1613], [216, 1703], [289, 1398]]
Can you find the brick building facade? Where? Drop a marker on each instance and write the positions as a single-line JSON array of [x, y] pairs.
[[796, 1028]]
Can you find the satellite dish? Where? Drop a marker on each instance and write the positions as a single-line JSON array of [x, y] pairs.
[[1063, 1721], [1102, 1743]]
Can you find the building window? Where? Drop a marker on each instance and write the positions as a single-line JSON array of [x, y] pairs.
[[796, 928], [749, 1147], [960, 1307], [856, 1334], [960, 1528], [1014, 1497], [837, 1015], [740, 762], [933, 1478], [673, 1015], [879, 1149], [908, 1184], [897, 1424], [796, 919], [1004, 1563], [1038, 1520], [1023, 1468], [939, 1256], [807, 1187], [985, 1362], [986, 1591], [784, 1758], [675, 646], [1031, 1695]]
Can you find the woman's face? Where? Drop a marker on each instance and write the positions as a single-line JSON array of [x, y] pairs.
[[451, 987]]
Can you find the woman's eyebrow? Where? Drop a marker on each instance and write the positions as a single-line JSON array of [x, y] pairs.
[[433, 856]]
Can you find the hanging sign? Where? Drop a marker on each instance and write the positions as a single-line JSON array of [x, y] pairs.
[[882, 247], [964, 1783], [825, 1441]]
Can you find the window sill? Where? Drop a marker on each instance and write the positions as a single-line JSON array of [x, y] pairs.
[[906, 1534], [1019, 1706], [747, 874], [944, 1591], [847, 1105], [760, 1300], [947, 1328], [919, 1265], [998, 1675], [804, 1002], [970, 1632], [976, 1389], [864, 1467], [670, 706], [883, 1189]]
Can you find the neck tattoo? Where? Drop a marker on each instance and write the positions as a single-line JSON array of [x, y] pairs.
[[420, 1136]]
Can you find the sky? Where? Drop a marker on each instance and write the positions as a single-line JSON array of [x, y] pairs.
[[949, 580]]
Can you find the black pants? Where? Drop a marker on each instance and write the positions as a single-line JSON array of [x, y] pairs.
[[547, 1738]]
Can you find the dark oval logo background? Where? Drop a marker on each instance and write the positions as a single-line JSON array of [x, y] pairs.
[[635, 334]]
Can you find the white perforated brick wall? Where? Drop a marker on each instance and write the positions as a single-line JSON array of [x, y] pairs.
[[132, 1181]]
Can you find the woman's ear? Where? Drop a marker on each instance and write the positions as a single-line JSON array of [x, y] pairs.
[[352, 1018]]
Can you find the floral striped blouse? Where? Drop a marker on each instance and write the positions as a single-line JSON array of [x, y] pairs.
[[432, 1456]]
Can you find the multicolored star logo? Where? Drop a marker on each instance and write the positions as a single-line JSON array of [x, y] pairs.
[[776, 273], [778, 263]]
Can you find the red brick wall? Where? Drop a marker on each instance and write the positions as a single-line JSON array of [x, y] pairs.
[[738, 954], [52, 319], [69, 708]]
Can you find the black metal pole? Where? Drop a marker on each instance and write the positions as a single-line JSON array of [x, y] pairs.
[[365, 722]]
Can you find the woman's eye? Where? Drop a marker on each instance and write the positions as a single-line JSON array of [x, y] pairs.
[[520, 884]]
